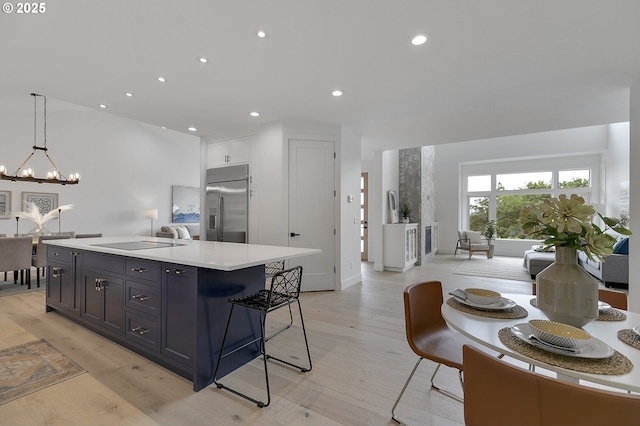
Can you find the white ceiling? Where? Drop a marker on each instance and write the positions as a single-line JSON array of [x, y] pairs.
[[492, 68]]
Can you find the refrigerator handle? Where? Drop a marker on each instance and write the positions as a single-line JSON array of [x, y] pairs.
[[220, 228]]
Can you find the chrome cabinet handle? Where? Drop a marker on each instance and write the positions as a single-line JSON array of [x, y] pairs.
[[101, 284], [140, 270], [140, 297], [140, 330], [175, 271]]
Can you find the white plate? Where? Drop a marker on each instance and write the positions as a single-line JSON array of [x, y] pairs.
[[502, 304], [594, 348], [602, 306], [636, 330]]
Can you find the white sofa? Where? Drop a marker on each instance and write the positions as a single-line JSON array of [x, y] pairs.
[[180, 231]]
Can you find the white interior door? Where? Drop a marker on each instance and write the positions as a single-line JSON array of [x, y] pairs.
[[312, 210]]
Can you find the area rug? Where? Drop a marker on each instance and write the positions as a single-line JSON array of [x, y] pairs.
[[505, 268], [33, 366]]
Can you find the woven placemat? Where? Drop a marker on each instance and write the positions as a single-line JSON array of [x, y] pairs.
[[614, 365], [611, 315], [511, 313], [603, 315], [629, 337]]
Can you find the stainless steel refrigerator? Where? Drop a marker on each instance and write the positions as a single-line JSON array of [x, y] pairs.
[[227, 204]]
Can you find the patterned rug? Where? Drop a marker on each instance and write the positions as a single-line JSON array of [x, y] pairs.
[[33, 366], [505, 268]]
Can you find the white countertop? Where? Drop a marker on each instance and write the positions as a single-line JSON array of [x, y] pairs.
[[205, 254]]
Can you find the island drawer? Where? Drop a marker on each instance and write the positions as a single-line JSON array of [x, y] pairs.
[[59, 254], [105, 262], [143, 269], [143, 330], [143, 297]]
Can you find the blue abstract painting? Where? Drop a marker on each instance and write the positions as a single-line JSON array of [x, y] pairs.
[[186, 205]]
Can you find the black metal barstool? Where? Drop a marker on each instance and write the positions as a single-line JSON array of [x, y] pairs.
[[272, 268], [283, 291]]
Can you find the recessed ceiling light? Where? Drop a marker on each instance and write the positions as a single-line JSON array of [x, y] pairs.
[[164, 128], [192, 129], [161, 79], [203, 59], [419, 39], [337, 92], [261, 33], [254, 114], [102, 106], [128, 94]]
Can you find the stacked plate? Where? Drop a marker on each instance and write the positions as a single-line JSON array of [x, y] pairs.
[[483, 299], [561, 339]]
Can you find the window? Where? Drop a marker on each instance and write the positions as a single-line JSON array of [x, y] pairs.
[[499, 190]]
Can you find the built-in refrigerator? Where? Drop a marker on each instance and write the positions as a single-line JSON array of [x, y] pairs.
[[227, 204]]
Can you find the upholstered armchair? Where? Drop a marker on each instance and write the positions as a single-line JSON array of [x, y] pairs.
[[471, 241]]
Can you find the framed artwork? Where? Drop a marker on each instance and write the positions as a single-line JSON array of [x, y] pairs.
[[186, 204], [393, 206], [46, 201], [5, 204]]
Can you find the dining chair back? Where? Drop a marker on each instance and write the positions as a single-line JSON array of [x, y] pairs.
[[616, 299], [428, 334], [15, 255], [39, 259], [497, 393]]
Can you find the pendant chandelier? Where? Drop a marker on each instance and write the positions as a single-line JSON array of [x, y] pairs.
[[25, 172]]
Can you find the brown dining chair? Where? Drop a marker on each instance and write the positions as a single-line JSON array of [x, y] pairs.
[[429, 336], [500, 394], [15, 255]]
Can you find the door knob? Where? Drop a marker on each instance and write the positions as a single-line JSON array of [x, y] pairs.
[[293, 234]]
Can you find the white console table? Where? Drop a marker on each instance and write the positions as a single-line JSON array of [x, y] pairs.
[[400, 241]]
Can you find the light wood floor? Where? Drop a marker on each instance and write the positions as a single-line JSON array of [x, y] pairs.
[[360, 362]]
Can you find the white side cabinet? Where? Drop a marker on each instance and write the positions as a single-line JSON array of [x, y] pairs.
[[233, 151], [400, 246]]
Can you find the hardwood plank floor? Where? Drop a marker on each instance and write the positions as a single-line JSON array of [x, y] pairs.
[[360, 362]]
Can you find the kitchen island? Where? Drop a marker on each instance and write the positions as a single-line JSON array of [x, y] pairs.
[[164, 299]]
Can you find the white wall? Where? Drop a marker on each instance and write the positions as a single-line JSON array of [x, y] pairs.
[[126, 166], [350, 165], [616, 166], [386, 178], [449, 156]]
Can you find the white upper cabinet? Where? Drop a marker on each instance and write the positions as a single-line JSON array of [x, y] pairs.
[[226, 153]]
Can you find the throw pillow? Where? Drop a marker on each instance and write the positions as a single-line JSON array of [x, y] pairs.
[[183, 232], [474, 237], [621, 246], [174, 232]]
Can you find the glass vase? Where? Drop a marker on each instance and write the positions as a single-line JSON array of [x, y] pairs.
[[566, 293], [38, 231]]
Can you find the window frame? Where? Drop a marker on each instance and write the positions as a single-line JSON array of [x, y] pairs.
[[592, 162]]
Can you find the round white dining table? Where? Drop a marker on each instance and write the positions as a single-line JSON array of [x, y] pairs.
[[485, 330]]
